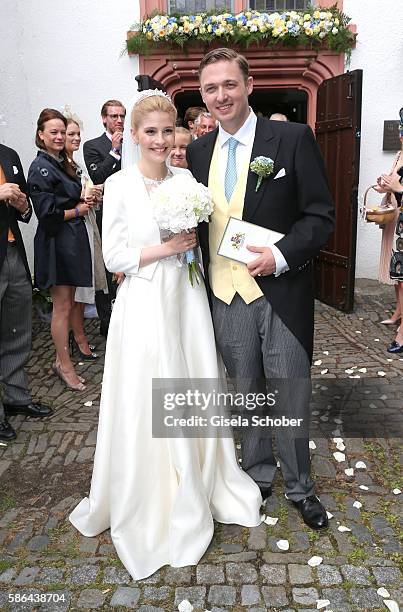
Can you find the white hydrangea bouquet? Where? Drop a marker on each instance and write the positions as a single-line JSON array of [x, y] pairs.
[[180, 204]]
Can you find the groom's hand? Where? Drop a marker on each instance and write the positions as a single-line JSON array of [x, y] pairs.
[[263, 265]]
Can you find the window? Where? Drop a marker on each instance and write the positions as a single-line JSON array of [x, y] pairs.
[[192, 7], [268, 6]]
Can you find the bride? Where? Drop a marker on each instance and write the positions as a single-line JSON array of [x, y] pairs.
[[159, 496]]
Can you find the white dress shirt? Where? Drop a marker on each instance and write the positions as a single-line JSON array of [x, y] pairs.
[[245, 137]]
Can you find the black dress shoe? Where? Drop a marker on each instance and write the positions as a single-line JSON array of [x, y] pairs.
[[312, 512], [83, 356], [33, 410], [265, 492], [395, 347], [7, 433]]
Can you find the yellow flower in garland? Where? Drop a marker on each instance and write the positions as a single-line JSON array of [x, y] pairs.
[[317, 14], [163, 21], [162, 33], [309, 31]]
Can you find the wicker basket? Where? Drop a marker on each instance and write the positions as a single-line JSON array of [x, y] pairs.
[[375, 213]]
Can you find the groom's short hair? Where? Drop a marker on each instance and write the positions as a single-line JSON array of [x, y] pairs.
[[226, 55]]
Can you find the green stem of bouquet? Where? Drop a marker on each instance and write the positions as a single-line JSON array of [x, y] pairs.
[[193, 273]]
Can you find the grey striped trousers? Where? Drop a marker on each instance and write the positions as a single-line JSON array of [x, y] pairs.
[[257, 346], [15, 330]]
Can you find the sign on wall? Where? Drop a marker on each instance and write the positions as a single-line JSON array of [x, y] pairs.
[[391, 141]]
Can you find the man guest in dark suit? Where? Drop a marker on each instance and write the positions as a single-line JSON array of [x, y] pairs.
[[15, 296], [263, 311], [102, 157]]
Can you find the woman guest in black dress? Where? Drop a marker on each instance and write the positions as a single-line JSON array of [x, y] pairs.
[[62, 256]]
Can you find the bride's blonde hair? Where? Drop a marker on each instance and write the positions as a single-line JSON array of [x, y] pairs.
[[150, 105]]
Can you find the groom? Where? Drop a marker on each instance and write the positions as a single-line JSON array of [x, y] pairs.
[[263, 312]]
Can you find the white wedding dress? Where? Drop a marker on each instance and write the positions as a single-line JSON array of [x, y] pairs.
[[158, 496]]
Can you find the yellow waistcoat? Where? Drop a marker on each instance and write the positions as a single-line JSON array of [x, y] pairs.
[[227, 277]]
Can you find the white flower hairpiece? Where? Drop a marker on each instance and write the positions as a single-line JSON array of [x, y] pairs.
[[70, 116], [147, 93]]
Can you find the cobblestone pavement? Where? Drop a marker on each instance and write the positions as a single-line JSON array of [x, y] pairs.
[[47, 470]]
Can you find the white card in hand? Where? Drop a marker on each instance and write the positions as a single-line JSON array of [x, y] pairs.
[[239, 234]]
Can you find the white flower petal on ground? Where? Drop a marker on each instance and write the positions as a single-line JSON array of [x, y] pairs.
[[357, 504], [329, 514], [81, 363], [389, 360], [364, 487], [360, 465], [337, 421], [340, 446], [355, 376], [318, 362], [271, 520], [88, 404], [3, 444], [381, 373], [283, 544], [383, 397], [376, 340], [391, 605], [339, 456], [363, 370], [315, 560], [336, 440], [382, 592], [349, 371], [278, 464], [349, 471], [325, 371], [185, 606], [343, 528], [312, 445], [396, 491], [322, 603], [326, 352]]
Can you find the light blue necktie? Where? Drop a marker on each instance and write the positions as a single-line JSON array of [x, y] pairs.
[[230, 171]]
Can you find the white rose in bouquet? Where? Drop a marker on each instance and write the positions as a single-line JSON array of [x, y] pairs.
[[180, 204]]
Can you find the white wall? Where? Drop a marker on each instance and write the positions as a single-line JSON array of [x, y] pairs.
[[57, 53], [379, 53]]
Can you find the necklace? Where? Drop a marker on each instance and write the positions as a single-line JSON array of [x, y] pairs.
[[151, 184]]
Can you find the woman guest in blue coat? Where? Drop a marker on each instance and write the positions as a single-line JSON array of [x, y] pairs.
[[62, 253]]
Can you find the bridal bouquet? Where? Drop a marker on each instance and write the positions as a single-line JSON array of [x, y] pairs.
[[179, 204]]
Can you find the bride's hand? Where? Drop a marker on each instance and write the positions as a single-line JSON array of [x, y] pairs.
[[180, 243]]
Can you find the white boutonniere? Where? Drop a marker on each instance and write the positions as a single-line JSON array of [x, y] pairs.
[[263, 167]]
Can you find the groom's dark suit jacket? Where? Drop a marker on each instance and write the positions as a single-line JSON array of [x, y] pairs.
[[9, 216], [298, 205]]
